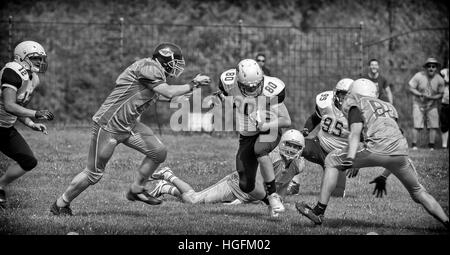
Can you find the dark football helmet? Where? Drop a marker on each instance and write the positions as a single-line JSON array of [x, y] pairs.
[[170, 57]]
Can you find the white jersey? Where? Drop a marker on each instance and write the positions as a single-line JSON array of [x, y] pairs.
[[22, 82], [334, 131], [272, 95]]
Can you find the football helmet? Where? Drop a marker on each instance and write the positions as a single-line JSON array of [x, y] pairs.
[[170, 58], [340, 91], [250, 78], [292, 143], [364, 87], [31, 55]]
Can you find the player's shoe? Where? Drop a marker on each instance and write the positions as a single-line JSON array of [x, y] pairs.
[[156, 192], [61, 211], [307, 211], [293, 188], [2, 199], [159, 175], [143, 196], [275, 205]]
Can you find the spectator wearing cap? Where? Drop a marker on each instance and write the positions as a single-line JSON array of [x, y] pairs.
[[261, 59], [427, 88], [384, 88], [443, 115]]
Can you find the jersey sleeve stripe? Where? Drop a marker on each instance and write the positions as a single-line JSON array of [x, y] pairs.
[[9, 86]]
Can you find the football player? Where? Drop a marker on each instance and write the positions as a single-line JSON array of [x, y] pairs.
[[19, 79], [384, 145], [117, 121], [255, 94], [333, 133], [286, 161]]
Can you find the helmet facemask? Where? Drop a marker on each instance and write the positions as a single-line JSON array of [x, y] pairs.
[[291, 149], [339, 96], [175, 67], [251, 89], [37, 62]]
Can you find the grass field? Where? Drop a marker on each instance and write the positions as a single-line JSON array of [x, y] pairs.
[[202, 160]]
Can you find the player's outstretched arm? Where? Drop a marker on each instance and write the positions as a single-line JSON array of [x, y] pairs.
[[9, 100], [35, 126], [170, 91], [311, 123]]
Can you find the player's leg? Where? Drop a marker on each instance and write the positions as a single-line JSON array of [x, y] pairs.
[[144, 140], [101, 149], [418, 122], [246, 163], [433, 125], [404, 170], [218, 193], [443, 116], [15, 147]]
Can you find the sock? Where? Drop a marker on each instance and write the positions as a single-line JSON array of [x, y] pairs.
[[431, 145], [444, 139], [168, 176], [265, 200], [319, 209], [413, 144], [168, 189], [271, 188]]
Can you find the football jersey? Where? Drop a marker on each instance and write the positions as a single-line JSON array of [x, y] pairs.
[[272, 96], [380, 129], [15, 76], [283, 175], [131, 96], [333, 133]]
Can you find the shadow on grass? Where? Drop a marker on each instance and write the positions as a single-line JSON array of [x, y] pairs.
[[233, 212], [109, 213]]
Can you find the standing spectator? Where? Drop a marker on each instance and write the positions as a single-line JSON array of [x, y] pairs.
[[261, 59], [384, 88], [443, 116], [427, 88]]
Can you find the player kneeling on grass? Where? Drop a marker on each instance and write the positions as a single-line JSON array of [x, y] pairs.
[[383, 145], [286, 161], [254, 95], [18, 81], [117, 121]]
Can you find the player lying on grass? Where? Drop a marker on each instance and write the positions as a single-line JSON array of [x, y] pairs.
[[383, 145], [286, 161], [19, 79], [252, 93], [333, 133], [117, 121]]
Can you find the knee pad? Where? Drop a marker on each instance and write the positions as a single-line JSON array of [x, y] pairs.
[[26, 162], [92, 176], [159, 154]]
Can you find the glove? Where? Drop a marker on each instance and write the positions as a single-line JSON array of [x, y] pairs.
[[305, 132], [352, 172], [201, 80], [380, 186], [44, 115], [346, 164]]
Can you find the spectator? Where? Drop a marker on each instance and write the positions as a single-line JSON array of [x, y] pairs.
[[261, 59], [443, 115], [384, 88], [427, 88]]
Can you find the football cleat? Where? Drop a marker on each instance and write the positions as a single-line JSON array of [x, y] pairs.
[[159, 175], [275, 204], [61, 211], [143, 196], [307, 211], [2, 199], [156, 192]]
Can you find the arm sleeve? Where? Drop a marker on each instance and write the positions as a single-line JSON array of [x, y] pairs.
[[11, 79], [312, 122], [151, 76], [281, 96], [354, 116]]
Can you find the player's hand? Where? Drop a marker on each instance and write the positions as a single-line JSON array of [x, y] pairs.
[[352, 172], [44, 115], [39, 127], [305, 132], [201, 80], [380, 186]]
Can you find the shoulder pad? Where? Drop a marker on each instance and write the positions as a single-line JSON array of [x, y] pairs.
[[228, 79], [324, 99], [272, 86], [20, 70]]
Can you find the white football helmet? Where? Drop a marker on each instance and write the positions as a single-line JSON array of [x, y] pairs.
[[250, 78], [341, 90], [364, 87], [31, 55], [291, 145]]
